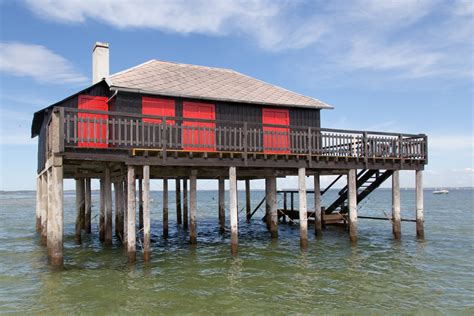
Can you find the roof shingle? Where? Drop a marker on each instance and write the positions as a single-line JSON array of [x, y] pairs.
[[173, 79]]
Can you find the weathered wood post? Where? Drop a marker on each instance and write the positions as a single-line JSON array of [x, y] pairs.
[[38, 204], [396, 220], [131, 215], [80, 206], [178, 201], [55, 213], [352, 200], [44, 208], [248, 207], [303, 212], [146, 213], [267, 203], [119, 209], [317, 206], [420, 231], [165, 208], [192, 207], [272, 202], [221, 204], [185, 203], [140, 203], [125, 213], [108, 207], [102, 210], [234, 237], [87, 206]]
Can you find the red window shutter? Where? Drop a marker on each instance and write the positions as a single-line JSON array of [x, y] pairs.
[[200, 135], [276, 139], [92, 128], [158, 107]]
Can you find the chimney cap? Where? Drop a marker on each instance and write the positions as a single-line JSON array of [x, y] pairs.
[[100, 44]]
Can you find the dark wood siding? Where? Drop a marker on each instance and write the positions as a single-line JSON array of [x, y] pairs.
[[305, 117]]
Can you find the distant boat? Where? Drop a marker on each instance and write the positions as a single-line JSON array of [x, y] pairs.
[[441, 191]]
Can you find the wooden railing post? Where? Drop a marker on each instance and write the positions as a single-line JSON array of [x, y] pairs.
[[366, 149], [310, 146], [164, 138], [61, 130], [245, 142]]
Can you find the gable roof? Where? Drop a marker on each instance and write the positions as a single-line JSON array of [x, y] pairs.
[[199, 82]]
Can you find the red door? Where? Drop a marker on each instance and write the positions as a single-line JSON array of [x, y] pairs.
[[158, 107], [276, 139], [92, 130], [199, 135]]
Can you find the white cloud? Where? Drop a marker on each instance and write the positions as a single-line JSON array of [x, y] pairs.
[[38, 62], [450, 143]]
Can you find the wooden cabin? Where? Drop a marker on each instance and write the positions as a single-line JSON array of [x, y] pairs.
[[164, 120]]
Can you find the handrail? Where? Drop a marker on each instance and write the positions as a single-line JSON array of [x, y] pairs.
[[92, 128]]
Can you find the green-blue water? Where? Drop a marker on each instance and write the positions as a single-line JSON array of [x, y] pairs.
[[377, 275]]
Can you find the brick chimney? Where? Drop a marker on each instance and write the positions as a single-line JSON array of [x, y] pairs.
[[100, 62]]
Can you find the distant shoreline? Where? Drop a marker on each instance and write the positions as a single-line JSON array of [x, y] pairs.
[[406, 188]]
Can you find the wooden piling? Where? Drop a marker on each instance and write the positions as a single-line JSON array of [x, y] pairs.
[[146, 213], [267, 203], [192, 207], [185, 203], [87, 206], [179, 220], [80, 203], [38, 204], [396, 219], [131, 215], [102, 210], [272, 202], [108, 207], [44, 208], [234, 238], [221, 204], [352, 200], [165, 208], [125, 213], [119, 209], [317, 206], [303, 211], [248, 206], [140, 203], [55, 214], [420, 231]]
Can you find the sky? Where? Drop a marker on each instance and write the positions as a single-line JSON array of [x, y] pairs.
[[394, 65]]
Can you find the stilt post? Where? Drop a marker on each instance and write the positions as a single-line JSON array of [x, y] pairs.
[[102, 210], [146, 213], [44, 208], [272, 202], [108, 207], [38, 204], [396, 219], [140, 203], [303, 211], [179, 220], [87, 206], [165, 208], [317, 206], [420, 231], [185, 203], [192, 207], [248, 207], [119, 209], [131, 215], [352, 200], [55, 214], [234, 237], [80, 206], [267, 203], [221, 204]]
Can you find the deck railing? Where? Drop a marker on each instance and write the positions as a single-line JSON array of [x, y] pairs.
[[115, 130]]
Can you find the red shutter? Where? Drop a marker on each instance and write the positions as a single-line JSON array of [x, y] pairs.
[[276, 139], [92, 130], [158, 107], [202, 134]]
